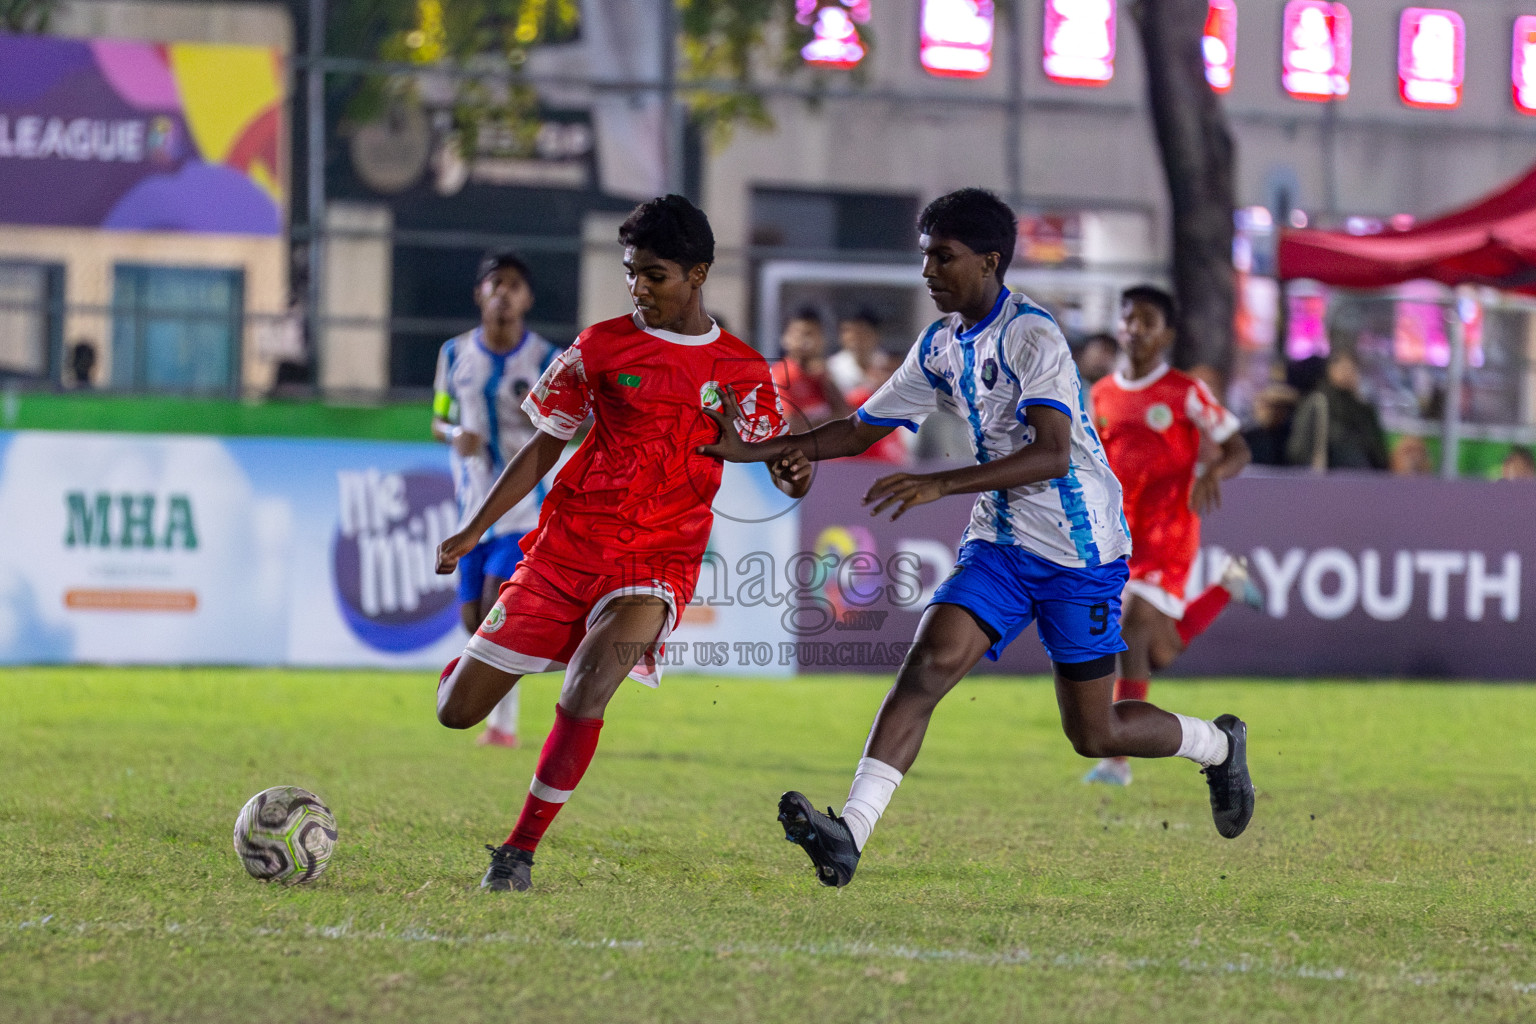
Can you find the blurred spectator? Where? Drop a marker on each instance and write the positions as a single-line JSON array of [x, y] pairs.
[[859, 335], [82, 364], [897, 445], [1410, 457], [1274, 408], [1306, 374], [1096, 357], [1519, 464], [292, 380], [1335, 428], [811, 398]]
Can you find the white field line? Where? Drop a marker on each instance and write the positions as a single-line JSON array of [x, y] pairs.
[[1078, 961]]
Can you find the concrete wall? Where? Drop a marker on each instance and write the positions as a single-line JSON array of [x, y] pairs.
[[1093, 148], [354, 345], [89, 256]]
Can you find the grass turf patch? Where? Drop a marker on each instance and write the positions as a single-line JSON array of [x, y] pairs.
[[1384, 878]]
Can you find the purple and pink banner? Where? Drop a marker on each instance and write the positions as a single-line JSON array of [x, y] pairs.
[[138, 136], [1362, 575]]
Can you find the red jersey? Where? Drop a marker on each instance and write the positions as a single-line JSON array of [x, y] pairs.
[[1151, 429], [806, 395], [636, 496], [890, 448]]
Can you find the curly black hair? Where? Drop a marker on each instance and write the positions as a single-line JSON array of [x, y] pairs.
[[1153, 296], [672, 228], [499, 258], [975, 218]]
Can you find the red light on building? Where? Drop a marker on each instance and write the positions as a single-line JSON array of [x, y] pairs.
[[1219, 44], [835, 41], [956, 38], [1080, 41], [1522, 64], [1315, 50], [1431, 53]]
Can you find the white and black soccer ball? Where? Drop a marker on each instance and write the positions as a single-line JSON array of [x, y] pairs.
[[285, 834]]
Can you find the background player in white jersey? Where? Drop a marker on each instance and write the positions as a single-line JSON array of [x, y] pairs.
[[483, 376], [1047, 539]]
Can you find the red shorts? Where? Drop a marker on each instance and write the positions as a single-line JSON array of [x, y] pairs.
[[1161, 558], [544, 611]]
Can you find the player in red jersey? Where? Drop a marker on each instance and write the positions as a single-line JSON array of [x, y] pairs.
[[1151, 419], [615, 556]]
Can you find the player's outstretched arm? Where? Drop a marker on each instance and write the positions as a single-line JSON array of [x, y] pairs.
[[1205, 492], [527, 468], [835, 440], [1049, 456], [792, 474]]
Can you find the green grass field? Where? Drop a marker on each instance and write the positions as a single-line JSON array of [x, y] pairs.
[[1386, 875]]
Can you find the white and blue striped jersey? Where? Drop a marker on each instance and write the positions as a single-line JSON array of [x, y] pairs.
[[988, 376], [483, 391]]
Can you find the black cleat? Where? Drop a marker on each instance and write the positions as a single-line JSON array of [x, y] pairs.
[[511, 868], [1231, 787], [824, 837]]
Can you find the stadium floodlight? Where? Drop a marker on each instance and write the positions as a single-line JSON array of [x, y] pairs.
[[1219, 44], [1431, 58], [956, 38], [1315, 50], [835, 41], [1522, 64], [1080, 41]]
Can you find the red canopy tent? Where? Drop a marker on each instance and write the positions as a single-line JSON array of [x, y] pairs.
[[1491, 242]]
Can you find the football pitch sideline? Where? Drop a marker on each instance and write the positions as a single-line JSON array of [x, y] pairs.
[[1387, 875]]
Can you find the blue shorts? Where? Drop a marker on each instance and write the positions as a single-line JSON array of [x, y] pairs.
[[496, 557], [1005, 587]]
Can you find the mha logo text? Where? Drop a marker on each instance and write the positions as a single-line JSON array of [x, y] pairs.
[[129, 521]]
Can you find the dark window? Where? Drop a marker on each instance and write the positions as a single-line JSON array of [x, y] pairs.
[[31, 301], [801, 219], [176, 328]]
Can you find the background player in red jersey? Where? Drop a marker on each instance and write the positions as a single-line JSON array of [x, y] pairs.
[[615, 556], [1151, 419]]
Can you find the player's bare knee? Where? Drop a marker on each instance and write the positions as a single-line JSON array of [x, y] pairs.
[[454, 718], [929, 672], [1089, 741], [1164, 653]]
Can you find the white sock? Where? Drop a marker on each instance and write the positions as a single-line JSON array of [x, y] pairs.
[[503, 717], [1203, 743], [873, 783]]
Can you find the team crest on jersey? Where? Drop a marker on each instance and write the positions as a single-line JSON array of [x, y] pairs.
[[989, 373], [494, 620], [1159, 417]]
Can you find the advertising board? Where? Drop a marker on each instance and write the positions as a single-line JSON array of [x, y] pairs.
[[152, 549]]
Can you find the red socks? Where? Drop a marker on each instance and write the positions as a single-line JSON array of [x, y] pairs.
[[1202, 611], [562, 763], [1131, 689], [1198, 616]]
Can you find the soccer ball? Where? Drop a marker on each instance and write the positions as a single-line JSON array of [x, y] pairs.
[[285, 834]]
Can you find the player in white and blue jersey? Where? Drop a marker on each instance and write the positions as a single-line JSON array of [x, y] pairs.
[[1047, 541], [483, 376]]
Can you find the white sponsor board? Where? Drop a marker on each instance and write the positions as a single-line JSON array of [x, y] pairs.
[[147, 549]]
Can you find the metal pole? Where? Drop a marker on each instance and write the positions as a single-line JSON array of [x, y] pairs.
[[315, 144], [1330, 157], [1450, 428], [1013, 136], [672, 115]]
